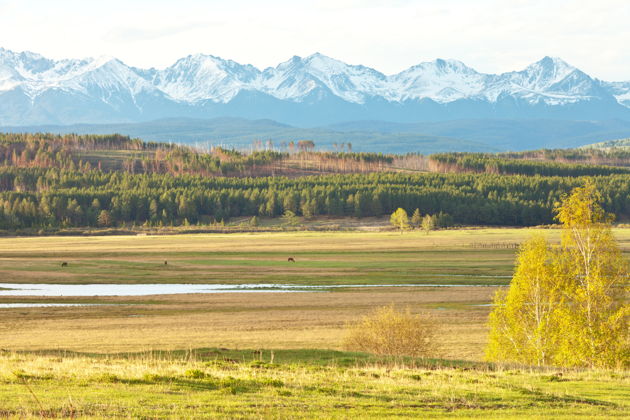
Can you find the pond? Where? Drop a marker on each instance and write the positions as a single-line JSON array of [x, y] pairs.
[[46, 305], [23, 289]]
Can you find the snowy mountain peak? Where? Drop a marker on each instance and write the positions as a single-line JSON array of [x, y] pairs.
[[104, 60], [201, 80], [548, 61], [550, 81], [549, 70], [201, 77], [298, 77], [441, 65], [441, 80], [451, 65]]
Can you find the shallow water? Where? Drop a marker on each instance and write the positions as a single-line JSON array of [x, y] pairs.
[[46, 305], [17, 289]]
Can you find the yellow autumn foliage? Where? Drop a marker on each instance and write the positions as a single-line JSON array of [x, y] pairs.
[[565, 305], [391, 332]]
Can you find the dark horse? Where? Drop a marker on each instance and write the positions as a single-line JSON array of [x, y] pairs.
[[291, 259], [165, 263], [64, 264]]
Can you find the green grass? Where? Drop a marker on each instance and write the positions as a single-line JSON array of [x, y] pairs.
[[110, 375], [443, 257], [219, 383], [317, 268], [264, 357]]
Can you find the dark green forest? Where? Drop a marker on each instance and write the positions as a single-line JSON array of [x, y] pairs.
[[544, 162], [53, 182], [35, 197]]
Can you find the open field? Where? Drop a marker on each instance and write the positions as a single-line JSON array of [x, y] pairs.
[[241, 320], [256, 320], [167, 355], [472, 256]]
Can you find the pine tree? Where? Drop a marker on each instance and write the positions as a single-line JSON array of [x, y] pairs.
[[154, 210], [104, 218], [290, 219]]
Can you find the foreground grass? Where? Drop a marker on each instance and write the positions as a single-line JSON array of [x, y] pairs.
[[217, 383]]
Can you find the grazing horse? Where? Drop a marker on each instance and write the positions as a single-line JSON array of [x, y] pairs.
[[64, 264], [165, 263], [291, 259]]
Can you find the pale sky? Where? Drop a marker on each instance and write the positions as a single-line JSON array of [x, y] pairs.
[[491, 36]]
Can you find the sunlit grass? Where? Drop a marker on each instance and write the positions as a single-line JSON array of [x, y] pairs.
[[116, 377], [468, 256], [211, 383]]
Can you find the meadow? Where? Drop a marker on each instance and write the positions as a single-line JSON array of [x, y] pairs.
[[458, 256], [274, 354], [298, 384]]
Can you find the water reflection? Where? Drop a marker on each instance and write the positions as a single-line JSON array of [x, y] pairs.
[[45, 305], [16, 289]]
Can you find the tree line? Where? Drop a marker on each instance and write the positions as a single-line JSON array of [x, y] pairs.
[[497, 164], [121, 153], [618, 156], [53, 197]]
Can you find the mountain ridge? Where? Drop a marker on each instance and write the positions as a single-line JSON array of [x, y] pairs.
[[307, 91]]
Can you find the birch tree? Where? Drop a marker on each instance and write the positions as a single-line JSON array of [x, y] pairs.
[[566, 304], [400, 220], [524, 316], [594, 275]]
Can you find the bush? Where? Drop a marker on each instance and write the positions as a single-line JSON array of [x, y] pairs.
[[391, 332], [195, 374]]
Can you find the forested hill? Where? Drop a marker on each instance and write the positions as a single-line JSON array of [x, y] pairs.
[[300, 157], [121, 153], [51, 182]]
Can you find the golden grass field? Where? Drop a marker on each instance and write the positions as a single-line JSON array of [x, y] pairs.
[[38, 343], [257, 320], [242, 320]]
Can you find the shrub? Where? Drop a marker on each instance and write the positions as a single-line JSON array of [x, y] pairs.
[[390, 332], [195, 374]]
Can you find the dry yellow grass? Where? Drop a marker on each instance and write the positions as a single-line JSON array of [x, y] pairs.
[[281, 241], [243, 320], [328, 257], [267, 320]]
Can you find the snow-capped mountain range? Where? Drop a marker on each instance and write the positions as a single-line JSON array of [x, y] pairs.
[[306, 91]]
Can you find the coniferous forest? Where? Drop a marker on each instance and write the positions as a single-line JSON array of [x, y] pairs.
[[49, 181]]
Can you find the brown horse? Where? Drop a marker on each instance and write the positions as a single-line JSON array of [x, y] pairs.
[[64, 264], [291, 259]]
